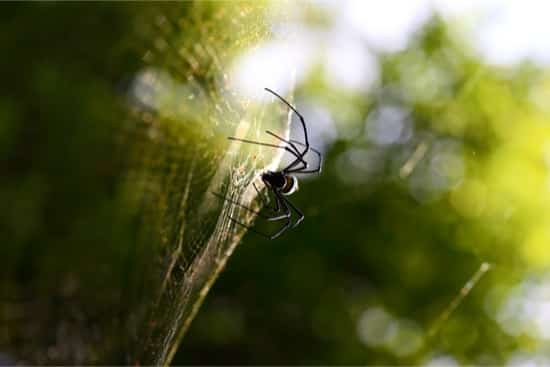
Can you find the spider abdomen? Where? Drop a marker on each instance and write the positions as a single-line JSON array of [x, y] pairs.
[[291, 185], [285, 184]]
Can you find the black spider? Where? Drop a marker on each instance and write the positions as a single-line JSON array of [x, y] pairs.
[[282, 183]]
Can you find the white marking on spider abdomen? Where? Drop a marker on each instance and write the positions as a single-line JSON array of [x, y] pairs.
[[291, 185]]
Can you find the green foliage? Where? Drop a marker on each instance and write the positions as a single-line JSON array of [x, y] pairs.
[[111, 236], [383, 251], [113, 133]]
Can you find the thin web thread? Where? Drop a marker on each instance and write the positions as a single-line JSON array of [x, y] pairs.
[[187, 109], [464, 291]]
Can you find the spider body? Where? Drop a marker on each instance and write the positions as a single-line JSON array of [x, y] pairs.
[[285, 184], [281, 183]]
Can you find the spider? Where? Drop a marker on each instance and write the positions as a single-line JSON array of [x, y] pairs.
[[282, 183]]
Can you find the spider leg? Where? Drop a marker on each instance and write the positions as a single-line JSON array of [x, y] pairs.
[[249, 228], [241, 205], [286, 226], [298, 211], [266, 203], [268, 236], [288, 222], [289, 142], [264, 144], [303, 169], [286, 212], [264, 199], [300, 159], [299, 155], [282, 230], [302, 144], [259, 214], [302, 120], [288, 169]]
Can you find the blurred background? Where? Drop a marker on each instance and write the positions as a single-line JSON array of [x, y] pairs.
[[434, 120], [427, 235]]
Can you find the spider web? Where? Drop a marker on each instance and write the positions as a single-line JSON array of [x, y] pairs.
[[113, 235], [184, 108]]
